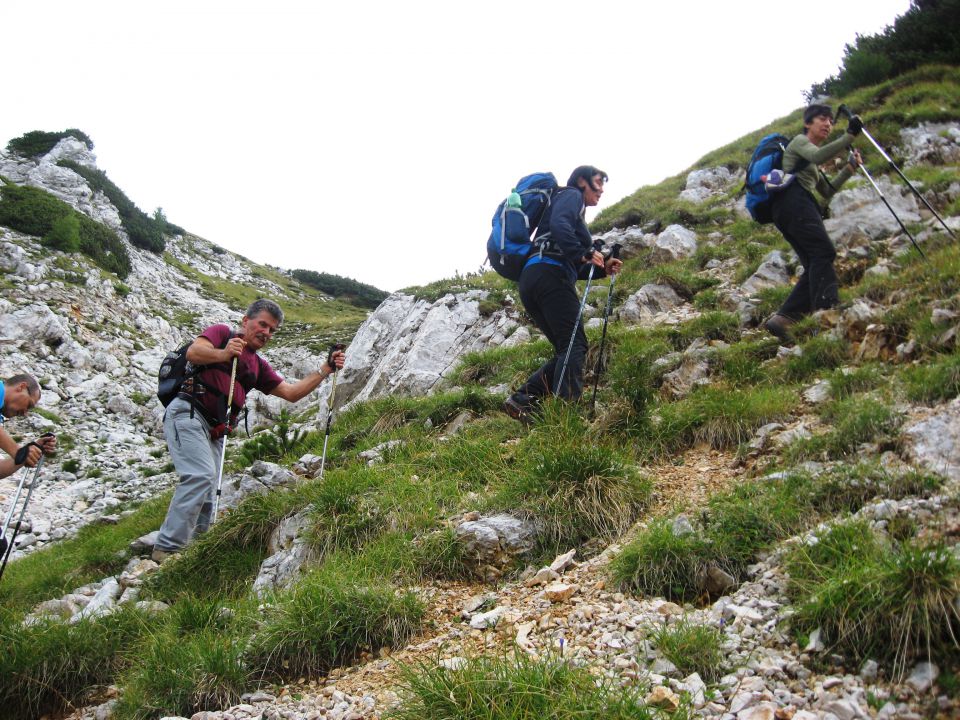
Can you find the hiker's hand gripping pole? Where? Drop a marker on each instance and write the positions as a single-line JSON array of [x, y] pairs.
[[223, 446], [845, 111], [8, 543]]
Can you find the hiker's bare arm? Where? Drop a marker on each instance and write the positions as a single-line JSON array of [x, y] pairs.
[[202, 351], [291, 392], [7, 443]]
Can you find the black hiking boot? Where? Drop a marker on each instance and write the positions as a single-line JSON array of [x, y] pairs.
[[519, 407], [779, 326]]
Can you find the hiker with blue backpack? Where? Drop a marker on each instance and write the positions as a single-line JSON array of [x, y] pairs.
[[796, 214], [562, 252]]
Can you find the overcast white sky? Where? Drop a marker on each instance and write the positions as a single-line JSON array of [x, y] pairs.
[[374, 139]]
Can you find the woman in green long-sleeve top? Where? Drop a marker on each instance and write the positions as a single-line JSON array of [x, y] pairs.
[[797, 215]]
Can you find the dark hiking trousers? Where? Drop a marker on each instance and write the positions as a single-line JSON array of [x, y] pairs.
[[550, 298], [796, 215]]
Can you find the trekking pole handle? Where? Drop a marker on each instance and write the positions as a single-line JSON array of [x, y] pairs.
[[844, 111], [233, 383], [615, 250], [21, 455], [336, 347]]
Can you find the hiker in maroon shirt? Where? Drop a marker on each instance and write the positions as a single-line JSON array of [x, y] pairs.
[[196, 420]]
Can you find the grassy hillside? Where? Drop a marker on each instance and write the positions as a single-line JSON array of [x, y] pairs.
[[383, 538]]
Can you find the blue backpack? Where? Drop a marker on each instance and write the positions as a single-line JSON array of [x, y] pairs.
[[515, 221], [767, 157]]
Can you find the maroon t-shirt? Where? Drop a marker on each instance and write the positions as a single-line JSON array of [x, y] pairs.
[[253, 373]]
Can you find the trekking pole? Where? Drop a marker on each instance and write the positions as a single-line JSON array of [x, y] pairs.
[[333, 392], [223, 446], [23, 511], [889, 207], [844, 110], [576, 326], [614, 253]]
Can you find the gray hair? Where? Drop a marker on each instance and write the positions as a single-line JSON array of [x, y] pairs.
[[263, 304], [33, 387]]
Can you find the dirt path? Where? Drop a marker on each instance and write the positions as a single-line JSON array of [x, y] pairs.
[[683, 484]]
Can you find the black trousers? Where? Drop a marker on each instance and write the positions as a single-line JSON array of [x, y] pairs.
[[551, 300], [797, 216]]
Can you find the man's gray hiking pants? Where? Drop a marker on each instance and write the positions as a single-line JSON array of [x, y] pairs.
[[197, 460]]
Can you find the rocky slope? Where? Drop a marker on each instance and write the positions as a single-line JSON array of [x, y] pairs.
[[97, 352]]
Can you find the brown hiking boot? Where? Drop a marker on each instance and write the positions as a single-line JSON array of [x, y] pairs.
[[779, 326]]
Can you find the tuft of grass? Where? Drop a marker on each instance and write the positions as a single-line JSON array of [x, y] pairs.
[[715, 325], [440, 555], [633, 379], [502, 364], [718, 415], [190, 660], [514, 687], [660, 563], [846, 382], [856, 420], [819, 353], [48, 668], [692, 648], [225, 559], [327, 620], [743, 522], [743, 364], [896, 604], [935, 381], [575, 487], [96, 552]]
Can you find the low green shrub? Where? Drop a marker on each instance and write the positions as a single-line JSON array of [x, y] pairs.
[[64, 234], [144, 231], [36, 212], [39, 142]]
